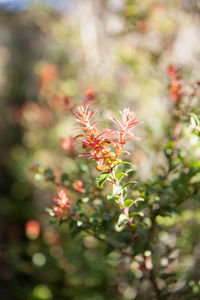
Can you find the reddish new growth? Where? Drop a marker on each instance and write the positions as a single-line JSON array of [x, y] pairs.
[[78, 186], [63, 206], [67, 103], [176, 83], [47, 75], [127, 123], [89, 97], [105, 150], [67, 144]]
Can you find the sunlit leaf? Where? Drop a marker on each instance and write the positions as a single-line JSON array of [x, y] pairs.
[[128, 202], [123, 219], [102, 179], [120, 175], [125, 163], [128, 183]]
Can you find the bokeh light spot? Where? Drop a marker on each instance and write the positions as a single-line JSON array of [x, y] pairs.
[[42, 292], [32, 229], [39, 259]]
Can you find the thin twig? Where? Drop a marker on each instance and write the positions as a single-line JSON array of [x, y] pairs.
[[152, 278]]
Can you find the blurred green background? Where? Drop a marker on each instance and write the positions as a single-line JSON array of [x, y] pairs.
[[120, 49]]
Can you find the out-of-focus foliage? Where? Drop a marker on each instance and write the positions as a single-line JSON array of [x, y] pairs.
[[120, 49]]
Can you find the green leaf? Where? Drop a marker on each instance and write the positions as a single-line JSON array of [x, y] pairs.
[[194, 120], [49, 174], [64, 178], [170, 145], [79, 223], [116, 189], [128, 183], [113, 197], [138, 200], [102, 178], [129, 202], [84, 168], [110, 197], [125, 163], [125, 193], [195, 124], [50, 211], [130, 170], [120, 175], [137, 213], [123, 219], [118, 203], [168, 152]]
